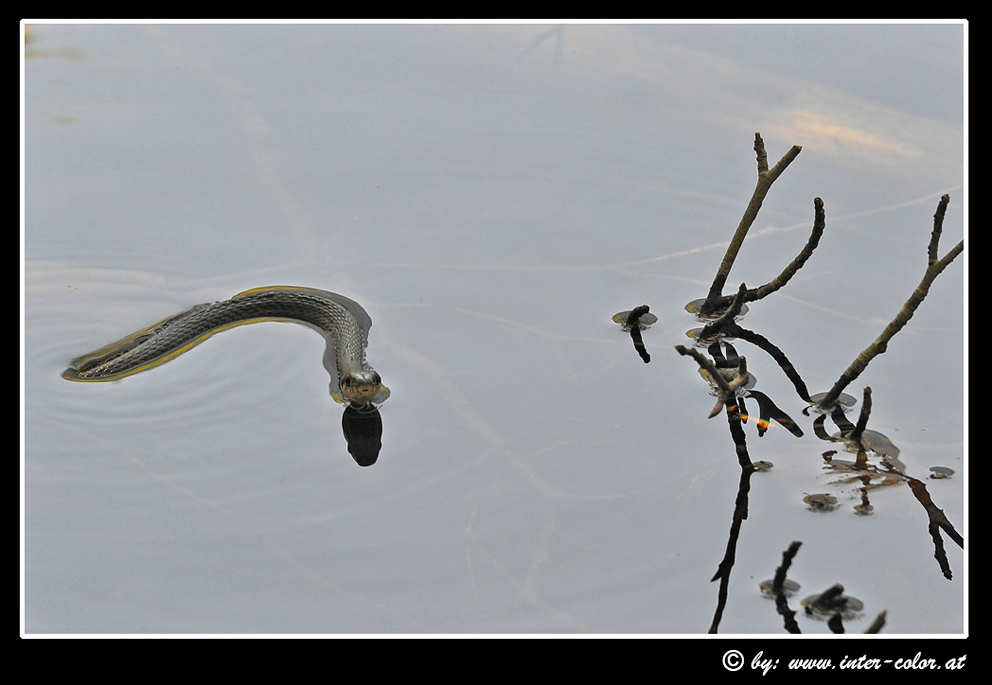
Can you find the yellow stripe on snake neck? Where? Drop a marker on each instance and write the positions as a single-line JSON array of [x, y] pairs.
[[343, 323]]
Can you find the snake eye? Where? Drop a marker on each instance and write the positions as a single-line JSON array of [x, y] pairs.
[[361, 386], [361, 378]]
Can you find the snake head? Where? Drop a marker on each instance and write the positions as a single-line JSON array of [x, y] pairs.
[[361, 387]]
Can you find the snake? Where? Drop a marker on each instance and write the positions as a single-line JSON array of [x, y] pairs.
[[342, 322]]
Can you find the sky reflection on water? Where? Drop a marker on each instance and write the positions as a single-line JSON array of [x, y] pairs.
[[491, 195]]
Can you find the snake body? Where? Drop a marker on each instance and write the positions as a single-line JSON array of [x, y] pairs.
[[343, 323]]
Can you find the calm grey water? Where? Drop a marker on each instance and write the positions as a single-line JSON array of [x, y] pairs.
[[492, 195]]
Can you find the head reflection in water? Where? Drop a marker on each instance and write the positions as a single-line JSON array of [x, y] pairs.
[[362, 426]]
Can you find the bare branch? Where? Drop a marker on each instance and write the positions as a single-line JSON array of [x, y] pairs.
[[906, 313], [766, 177], [819, 223], [902, 318], [938, 227]]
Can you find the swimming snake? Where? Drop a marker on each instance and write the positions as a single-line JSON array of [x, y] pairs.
[[343, 323]]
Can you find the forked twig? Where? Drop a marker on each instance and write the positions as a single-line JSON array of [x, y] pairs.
[[766, 177], [819, 223]]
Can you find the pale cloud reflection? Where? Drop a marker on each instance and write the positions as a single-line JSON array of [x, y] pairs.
[[854, 132], [833, 136], [686, 85]]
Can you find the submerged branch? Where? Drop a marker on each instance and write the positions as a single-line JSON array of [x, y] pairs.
[[877, 625], [862, 423], [938, 521], [730, 554], [781, 604], [728, 316], [708, 366], [769, 410], [734, 330], [766, 177], [634, 324], [726, 390], [735, 420]]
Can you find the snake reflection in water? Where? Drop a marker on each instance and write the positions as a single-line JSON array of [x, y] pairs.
[[343, 323]]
